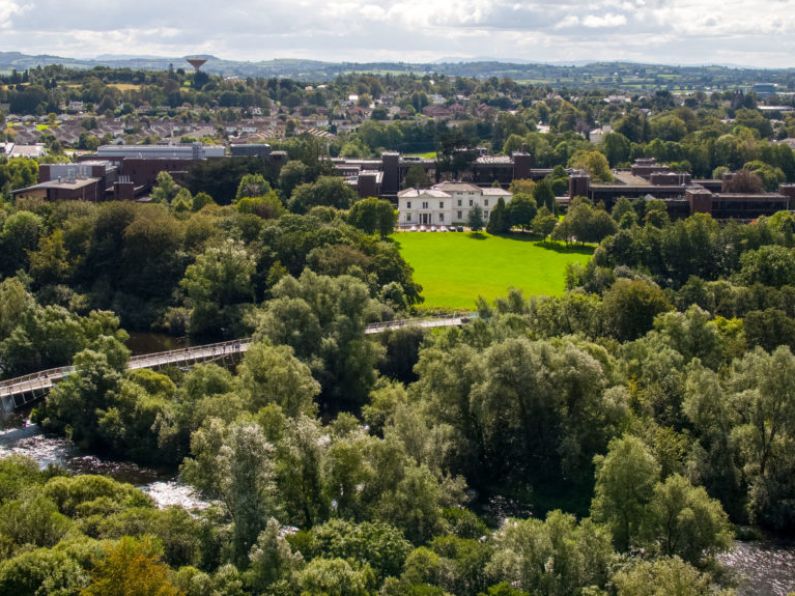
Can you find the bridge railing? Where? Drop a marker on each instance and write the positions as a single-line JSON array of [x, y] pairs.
[[9, 386], [51, 373], [185, 353]]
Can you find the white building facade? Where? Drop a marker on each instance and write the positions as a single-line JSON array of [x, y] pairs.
[[445, 204]]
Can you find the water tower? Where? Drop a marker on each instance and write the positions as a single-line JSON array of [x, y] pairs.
[[197, 63]]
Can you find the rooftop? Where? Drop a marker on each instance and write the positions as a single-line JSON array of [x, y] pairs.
[[76, 184], [413, 193], [456, 187]]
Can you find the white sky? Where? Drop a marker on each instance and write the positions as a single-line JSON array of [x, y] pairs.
[[748, 32]]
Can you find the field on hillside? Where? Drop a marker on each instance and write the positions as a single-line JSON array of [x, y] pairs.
[[455, 268]]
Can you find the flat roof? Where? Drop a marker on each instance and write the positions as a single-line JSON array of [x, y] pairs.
[[64, 184]]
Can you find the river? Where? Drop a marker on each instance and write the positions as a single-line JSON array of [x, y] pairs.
[[21, 437]]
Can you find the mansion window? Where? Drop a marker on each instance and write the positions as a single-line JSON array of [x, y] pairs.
[[471, 202], [408, 216], [425, 204], [441, 217], [441, 204], [486, 203], [485, 215], [408, 204], [460, 215], [459, 202]]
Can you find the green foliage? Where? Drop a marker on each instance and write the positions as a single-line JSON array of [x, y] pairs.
[[131, 566], [630, 306], [273, 375], [594, 163], [323, 319], [662, 577], [252, 185], [331, 191], [625, 481], [557, 556], [499, 219], [335, 577], [219, 289], [373, 215], [379, 545], [165, 189], [475, 219], [522, 211]]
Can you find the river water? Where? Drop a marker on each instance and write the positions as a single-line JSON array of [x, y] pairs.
[[24, 438]]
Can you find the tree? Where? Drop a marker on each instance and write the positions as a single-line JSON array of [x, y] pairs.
[[521, 210], [625, 481], [417, 177], [15, 301], [745, 182], [662, 577], [335, 577], [331, 191], [164, 189], [252, 185], [324, 319], [556, 557], [219, 287], [668, 127], [42, 571], [770, 176], [33, 521], [380, 545], [499, 219], [544, 222], [616, 147], [271, 375], [544, 194], [235, 464], [131, 567], [18, 239], [273, 560], [292, 174], [769, 265], [684, 521], [594, 163], [268, 206], [761, 396], [475, 219], [630, 306], [373, 215]]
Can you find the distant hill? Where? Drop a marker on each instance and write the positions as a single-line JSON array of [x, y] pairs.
[[620, 75]]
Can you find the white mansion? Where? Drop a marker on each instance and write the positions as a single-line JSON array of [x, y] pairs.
[[446, 204]]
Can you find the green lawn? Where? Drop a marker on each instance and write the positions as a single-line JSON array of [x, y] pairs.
[[426, 155], [455, 268]]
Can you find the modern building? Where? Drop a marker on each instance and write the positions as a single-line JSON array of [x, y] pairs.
[[139, 165], [468, 165], [447, 203], [682, 195], [194, 151]]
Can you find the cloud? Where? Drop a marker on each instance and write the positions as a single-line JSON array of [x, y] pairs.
[[674, 31], [8, 8], [608, 20]]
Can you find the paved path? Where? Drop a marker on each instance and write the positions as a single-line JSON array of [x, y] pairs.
[[21, 391]]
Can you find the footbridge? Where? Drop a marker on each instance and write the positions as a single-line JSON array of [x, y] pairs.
[[20, 392]]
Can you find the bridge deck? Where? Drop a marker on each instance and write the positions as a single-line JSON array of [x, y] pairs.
[[21, 391]]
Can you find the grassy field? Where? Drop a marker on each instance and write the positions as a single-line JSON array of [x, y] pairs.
[[426, 155], [455, 268]]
